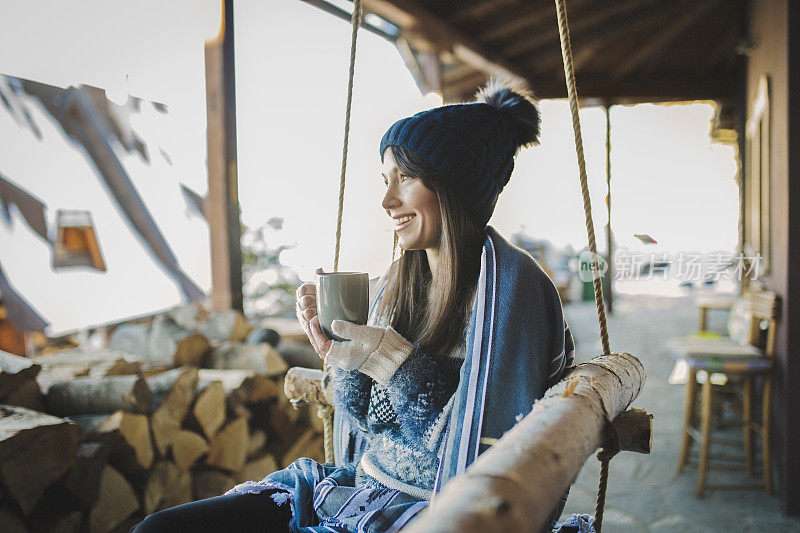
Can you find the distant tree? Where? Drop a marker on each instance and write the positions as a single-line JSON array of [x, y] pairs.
[[269, 286]]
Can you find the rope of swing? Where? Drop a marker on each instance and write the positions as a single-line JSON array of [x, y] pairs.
[[604, 455], [355, 20], [572, 93], [326, 412]]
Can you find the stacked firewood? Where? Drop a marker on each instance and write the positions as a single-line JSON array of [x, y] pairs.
[[171, 411]]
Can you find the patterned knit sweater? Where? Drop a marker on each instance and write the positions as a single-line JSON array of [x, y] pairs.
[[404, 420]]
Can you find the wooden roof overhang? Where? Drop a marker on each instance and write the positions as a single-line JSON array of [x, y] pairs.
[[625, 51]]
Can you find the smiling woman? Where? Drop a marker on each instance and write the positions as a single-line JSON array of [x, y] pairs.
[[461, 318]]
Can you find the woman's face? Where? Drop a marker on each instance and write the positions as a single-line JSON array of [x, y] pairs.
[[413, 207]]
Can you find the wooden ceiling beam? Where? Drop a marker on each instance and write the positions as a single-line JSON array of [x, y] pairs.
[[530, 18], [344, 15], [597, 19], [464, 88], [419, 24], [587, 44], [684, 86], [482, 9], [457, 72], [666, 38]]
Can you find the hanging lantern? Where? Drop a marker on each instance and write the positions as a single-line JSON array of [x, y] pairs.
[[76, 241]]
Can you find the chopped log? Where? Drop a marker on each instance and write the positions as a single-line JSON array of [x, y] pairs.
[[127, 436], [279, 424], [130, 338], [262, 389], [168, 417], [90, 358], [180, 492], [258, 440], [35, 450], [60, 374], [515, 485], [187, 448], [229, 447], [117, 502], [122, 367], [163, 477], [299, 353], [67, 364], [218, 326], [83, 480], [289, 328], [208, 411], [241, 386], [261, 358], [54, 510], [308, 385], [232, 380], [238, 410], [10, 523], [160, 382], [189, 316], [209, 483], [27, 395], [258, 469], [91, 395], [14, 371], [170, 345], [88, 423], [191, 350], [228, 324], [308, 445], [68, 523]]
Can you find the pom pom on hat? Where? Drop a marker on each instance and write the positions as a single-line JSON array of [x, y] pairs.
[[518, 105]]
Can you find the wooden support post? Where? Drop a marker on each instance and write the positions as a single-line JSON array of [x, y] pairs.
[[515, 485], [223, 197]]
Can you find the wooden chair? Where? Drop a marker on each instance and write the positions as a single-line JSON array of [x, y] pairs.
[[706, 302], [744, 362]]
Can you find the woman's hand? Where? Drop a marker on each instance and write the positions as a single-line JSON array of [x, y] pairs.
[[309, 320], [373, 350]]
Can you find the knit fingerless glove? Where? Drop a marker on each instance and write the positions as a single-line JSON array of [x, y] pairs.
[[373, 350]]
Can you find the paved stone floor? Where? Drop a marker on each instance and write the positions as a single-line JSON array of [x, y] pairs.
[[644, 491]]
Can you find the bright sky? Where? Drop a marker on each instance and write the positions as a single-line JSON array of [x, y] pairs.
[[669, 180]]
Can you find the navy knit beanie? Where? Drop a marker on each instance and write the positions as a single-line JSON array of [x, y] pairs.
[[472, 145]]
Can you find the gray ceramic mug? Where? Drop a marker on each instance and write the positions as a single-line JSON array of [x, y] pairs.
[[342, 296]]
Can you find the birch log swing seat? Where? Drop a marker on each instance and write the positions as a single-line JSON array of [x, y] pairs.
[[587, 410]]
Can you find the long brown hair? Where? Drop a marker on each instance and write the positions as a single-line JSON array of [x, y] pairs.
[[437, 324]]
